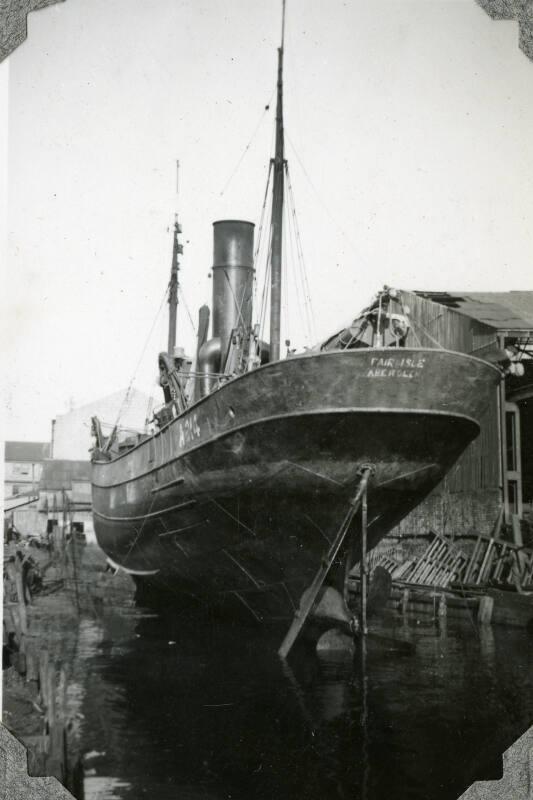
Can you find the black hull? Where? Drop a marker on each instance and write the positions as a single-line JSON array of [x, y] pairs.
[[245, 504]]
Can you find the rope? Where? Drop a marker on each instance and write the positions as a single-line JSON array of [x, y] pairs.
[[243, 154], [293, 259], [285, 305], [264, 298], [260, 231], [430, 337], [180, 290], [130, 385], [319, 196], [308, 306]]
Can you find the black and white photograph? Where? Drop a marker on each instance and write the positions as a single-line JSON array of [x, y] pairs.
[[267, 406]]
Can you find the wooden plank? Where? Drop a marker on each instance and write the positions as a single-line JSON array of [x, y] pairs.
[[431, 564], [473, 560], [517, 530], [501, 561], [496, 531], [425, 559], [485, 562], [482, 560]]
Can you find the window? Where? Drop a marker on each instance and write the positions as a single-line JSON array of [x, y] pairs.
[[14, 491]]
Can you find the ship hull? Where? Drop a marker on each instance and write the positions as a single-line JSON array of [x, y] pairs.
[[242, 494]]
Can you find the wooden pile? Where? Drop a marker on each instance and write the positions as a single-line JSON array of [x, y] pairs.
[[43, 681]]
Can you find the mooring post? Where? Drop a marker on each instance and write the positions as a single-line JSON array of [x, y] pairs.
[[364, 574], [21, 599], [405, 601]]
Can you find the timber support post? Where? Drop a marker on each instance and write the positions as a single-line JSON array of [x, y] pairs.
[[364, 570], [311, 595]]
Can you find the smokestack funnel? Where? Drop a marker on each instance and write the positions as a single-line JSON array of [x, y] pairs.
[[233, 275]]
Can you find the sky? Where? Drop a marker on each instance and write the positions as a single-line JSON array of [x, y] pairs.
[[408, 133]]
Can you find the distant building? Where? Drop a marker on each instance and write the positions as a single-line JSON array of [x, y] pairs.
[[44, 481], [71, 437], [23, 466], [496, 470], [65, 496]]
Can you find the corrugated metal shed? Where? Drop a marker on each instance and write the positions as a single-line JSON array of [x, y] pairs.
[[59, 474], [502, 311], [27, 451]]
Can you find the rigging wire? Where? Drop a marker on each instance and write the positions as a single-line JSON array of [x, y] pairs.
[[264, 296], [243, 154], [182, 296], [426, 333], [318, 195], [285, 286], [125, 401], [308, 305], [268, 245], [291, 258], [260, 232]]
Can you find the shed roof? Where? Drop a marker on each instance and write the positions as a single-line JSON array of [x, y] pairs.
[[59, 473], [499, 310], [27, 451]]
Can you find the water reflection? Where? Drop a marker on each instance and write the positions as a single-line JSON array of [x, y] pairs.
[[188, 706]]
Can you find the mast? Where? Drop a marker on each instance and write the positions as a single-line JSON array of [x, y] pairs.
[[277, 212], [177, 249]]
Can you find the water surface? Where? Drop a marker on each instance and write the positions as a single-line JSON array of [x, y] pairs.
[[180, 705]]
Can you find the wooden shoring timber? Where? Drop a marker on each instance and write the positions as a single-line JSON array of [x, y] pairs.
[[479, 559], [449, 569], [430, 575], [499, 565], [402, 570], [439, 574], [424, 560], [428, 564], [456, 569], [484, 569], [473, 560], [442, 573], [528, 572], [498, 524], [441, 562], [311, 595]]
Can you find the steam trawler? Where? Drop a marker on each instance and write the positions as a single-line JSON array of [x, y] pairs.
[[240, 489]]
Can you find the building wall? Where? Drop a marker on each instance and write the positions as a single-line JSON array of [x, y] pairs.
[[21, 476], [470, 496], [72, 431], [432, 323], [27, 520], [453, 513], [38, 523]]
